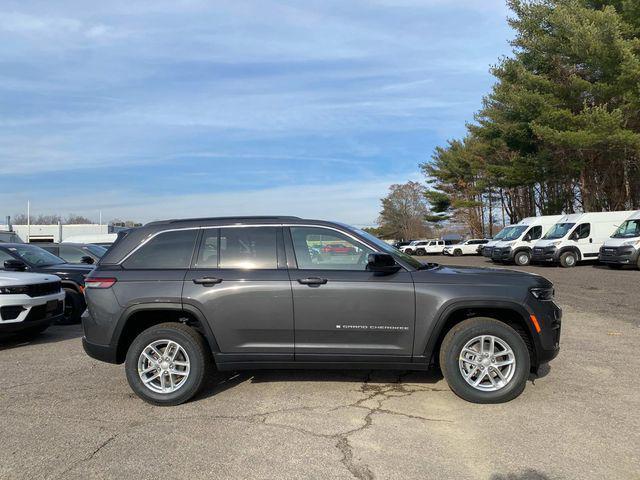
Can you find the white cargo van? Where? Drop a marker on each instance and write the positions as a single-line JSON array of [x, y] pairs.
[[623, 247], [516, 246], [577, 237], [486, 249]]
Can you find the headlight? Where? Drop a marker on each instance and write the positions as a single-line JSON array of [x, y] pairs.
[[555, 244], [20, 290], [543, 293], [631, 243]]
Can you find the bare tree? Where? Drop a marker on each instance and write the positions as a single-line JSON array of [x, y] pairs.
[[73, 219], [404, 212]]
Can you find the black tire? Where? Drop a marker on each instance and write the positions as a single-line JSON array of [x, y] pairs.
[[457, 252], [522, 258], [408, 251], [568, 260], [465, 331], [199, 358], [74, 306], [420, 252]]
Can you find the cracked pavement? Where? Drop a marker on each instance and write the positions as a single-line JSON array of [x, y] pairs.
[[64, 415]]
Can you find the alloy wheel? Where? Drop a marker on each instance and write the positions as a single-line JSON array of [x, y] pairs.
[[487, 363], [164, 366]]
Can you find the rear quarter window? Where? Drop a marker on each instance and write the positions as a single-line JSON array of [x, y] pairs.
[[169, 250]]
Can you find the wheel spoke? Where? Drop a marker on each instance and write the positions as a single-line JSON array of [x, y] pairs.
[[492, 345], [499, 373], [150, 379], [147, 370], [181, 364], [178, 372], [172, 357], [149, 357], [504, 363], [155, 351], [477, 381]]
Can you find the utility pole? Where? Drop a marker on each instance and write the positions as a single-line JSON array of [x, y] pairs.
[[28, 221]]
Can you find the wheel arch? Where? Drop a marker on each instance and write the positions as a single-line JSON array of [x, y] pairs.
[[569, 248], [510, 313], [138, 318]]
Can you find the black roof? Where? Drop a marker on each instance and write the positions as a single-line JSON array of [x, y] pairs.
[[225, 219]]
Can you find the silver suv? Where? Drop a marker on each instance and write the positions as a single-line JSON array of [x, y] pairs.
[[174, 298]]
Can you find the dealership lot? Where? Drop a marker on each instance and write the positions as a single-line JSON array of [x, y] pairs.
[[64, 415]]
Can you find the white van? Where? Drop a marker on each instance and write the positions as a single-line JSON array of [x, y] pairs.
[[577, 237], [487, 249], [516, 246], [623, 247]]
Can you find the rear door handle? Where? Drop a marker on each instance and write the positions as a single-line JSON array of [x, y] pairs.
[[312, 281], [207, 281]]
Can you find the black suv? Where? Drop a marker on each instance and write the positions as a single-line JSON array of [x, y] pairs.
[[87, 253], [172, 298], [21, 257]]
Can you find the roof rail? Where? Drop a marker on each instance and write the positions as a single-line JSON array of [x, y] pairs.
[[239, 218]]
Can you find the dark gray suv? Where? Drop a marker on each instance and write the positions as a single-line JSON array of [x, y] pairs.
[[174, 298]]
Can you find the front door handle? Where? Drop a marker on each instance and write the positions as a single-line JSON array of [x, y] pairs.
[[207, 281], [312, 281]]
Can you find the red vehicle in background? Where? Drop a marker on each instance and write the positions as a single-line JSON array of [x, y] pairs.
[[338, 249]]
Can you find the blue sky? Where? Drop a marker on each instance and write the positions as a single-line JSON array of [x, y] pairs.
[[169, 108]]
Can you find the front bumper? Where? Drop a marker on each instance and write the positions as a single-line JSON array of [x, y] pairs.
[[544, 255], [549, 317], [501, 254], [625, 255], [487, 252], [20, 312]]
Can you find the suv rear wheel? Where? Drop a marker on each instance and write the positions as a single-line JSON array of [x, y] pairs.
[[167, 364], [421, 252], [485, 361]]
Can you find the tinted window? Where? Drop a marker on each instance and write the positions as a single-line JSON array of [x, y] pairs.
[[166, 250], [51, 249], [208, 251], [35, 256], [583, 230], [535, 232], [3, 257], [248, 247], [71, 254], [326, 249]]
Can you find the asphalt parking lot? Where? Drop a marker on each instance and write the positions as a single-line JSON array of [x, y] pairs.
[[64, 415]]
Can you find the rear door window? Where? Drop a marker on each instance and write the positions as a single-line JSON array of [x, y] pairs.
[[71, 254], [248, 248], [168, 250]]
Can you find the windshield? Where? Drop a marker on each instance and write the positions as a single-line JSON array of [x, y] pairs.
[[502, 233], [385, 247], [97, 250], [36, 256], [514, 233], [559, 230], [629, 229]]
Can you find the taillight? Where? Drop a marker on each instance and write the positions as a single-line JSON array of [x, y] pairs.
[[99, 282]]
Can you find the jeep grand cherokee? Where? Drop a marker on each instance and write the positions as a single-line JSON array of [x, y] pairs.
[[173, 299]]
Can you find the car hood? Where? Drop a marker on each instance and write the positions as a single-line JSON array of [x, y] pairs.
[[548, 243], [618, 242], [24, 278], [478, 275]]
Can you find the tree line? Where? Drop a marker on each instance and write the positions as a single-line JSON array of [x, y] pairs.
[[560, 130]]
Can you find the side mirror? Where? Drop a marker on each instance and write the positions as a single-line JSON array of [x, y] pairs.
[[87, 259], [15, 265], [527, 238], [382, 263], [574, 236]]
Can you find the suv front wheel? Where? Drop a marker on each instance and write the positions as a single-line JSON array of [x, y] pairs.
[[167, 364], [485, 361]]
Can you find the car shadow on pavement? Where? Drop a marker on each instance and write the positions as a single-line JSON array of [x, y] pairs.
[[526, 475], [222, 381], [53, 334]]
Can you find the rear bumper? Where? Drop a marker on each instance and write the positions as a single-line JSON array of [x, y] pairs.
[[619, 256], [104, 353]]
